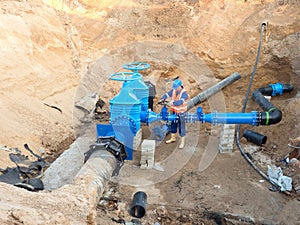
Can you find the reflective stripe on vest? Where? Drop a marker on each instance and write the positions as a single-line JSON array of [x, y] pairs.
[[181, 108]]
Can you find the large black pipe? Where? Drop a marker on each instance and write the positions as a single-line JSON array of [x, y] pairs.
[[203, 96], [272, 115]]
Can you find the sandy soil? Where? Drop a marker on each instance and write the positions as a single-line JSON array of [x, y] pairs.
[[53, 53]]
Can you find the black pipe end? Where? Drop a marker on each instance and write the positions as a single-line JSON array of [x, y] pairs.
[[138, 208], [288, 88], [255, 137], [264, 23], [137, 211]]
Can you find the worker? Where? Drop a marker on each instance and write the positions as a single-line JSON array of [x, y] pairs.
[[178, 105]]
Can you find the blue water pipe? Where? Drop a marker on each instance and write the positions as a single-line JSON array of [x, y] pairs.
[[255, 118], [214, 118]]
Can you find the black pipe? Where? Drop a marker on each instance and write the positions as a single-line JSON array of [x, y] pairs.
[[288, 88], [269, 90], [265, 90], [264, 103], [255, 137], [138, 208], [203, 96], [272, 115], [243, 110]]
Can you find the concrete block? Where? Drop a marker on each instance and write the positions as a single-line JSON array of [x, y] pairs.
[[137, 139], [148, 145], [227, 138], [147, 154]]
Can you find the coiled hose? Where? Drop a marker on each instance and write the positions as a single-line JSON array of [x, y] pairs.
[[243, 110]]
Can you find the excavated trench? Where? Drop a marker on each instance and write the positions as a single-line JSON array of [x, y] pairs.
[[191, 70], [167, 61]]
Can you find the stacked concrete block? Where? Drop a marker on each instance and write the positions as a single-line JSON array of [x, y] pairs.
[[147, 154], [137, 139], [227, 138]]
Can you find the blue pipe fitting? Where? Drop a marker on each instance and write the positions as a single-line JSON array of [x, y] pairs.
[[200, 114], [232, 118], [152, 117], [144, 116], [191, 117], [172, 117], [277, 89], [164, 113]]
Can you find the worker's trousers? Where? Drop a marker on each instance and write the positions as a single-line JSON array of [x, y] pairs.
[[179, 124]]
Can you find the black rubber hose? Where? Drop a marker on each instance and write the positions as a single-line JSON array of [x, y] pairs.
[[243, 110]]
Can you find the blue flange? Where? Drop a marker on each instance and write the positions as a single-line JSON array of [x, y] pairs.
[[277, 88]]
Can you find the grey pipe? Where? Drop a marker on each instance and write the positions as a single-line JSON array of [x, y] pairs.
[[94, 175], [203, 96], [63, 170]]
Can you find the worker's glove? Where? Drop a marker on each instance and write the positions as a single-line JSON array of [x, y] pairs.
[[161, 101]]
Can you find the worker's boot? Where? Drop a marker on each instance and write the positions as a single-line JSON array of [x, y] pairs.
[[181, 142], [172, 139]]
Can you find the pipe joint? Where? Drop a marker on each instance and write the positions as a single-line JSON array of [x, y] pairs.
[[200, 114], [110, 144], [272, 116], [275, 115], [280, 88], [277, 89]]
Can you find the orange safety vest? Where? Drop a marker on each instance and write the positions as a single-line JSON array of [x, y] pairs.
[[181, 108]]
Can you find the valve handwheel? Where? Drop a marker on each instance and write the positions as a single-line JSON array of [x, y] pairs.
[[125, 76], [136, 66]]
